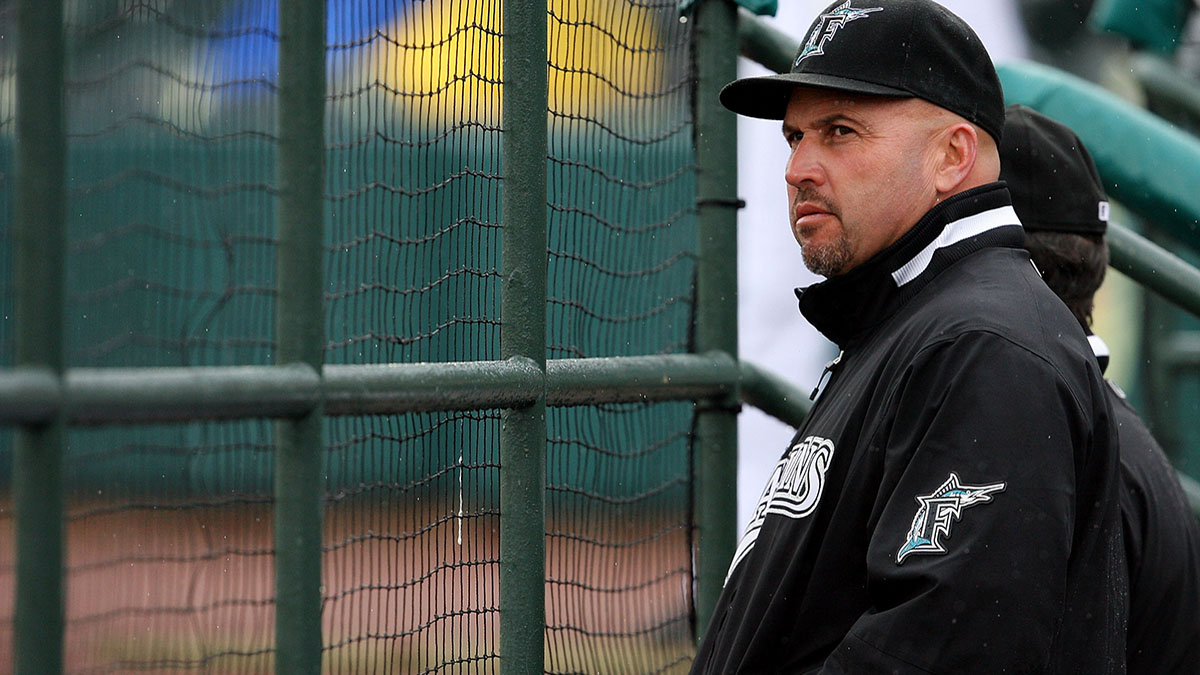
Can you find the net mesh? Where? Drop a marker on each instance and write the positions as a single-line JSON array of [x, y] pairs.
[[171, 150]]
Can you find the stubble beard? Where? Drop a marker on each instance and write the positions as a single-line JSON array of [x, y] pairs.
[[833, 258], [829, 260]]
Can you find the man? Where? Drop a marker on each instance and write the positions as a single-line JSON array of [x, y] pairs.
[[1060, 200], [948, 506]]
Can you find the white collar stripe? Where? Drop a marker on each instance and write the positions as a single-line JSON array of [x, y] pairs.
[[954, 232], [1099, 348]]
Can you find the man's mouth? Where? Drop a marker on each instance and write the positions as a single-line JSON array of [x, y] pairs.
[[806, 215]]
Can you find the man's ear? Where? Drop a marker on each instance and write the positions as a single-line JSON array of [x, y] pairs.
[[957, 153]]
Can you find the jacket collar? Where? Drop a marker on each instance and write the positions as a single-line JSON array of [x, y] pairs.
[[845, 307], [1100, 349]]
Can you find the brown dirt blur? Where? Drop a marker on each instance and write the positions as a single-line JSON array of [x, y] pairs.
[[168, 587]]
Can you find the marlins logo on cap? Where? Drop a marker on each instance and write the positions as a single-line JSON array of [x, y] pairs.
[[827, 25]]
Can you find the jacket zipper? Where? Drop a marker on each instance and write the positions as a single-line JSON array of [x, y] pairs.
[[829, 368]]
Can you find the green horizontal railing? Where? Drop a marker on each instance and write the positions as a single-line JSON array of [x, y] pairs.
[[1163, 83], [773, 395], [1154, 267], [88, 396], [1192, 489], [765, 44]]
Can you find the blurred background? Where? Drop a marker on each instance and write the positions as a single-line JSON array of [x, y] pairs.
[[170, 254], [172, 186]]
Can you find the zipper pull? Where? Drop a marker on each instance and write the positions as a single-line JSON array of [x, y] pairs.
[[827, 372]]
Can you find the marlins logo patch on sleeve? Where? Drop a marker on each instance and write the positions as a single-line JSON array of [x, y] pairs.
[[938, 511]]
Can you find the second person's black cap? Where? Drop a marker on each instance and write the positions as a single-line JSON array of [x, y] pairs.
[[1054, 183]]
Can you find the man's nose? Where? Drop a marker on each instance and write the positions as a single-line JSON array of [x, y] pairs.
[[802, 166]]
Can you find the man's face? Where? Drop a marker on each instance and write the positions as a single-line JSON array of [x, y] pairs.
[[859, 176]]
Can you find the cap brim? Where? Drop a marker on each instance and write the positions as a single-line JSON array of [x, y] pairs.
[[767, 97]]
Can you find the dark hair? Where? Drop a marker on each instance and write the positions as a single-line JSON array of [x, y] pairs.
[[1072, 265]]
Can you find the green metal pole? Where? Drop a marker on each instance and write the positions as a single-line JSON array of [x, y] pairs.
[[299, 333], [39, 279], [1192, 489], [765, 44], [95, 396], [716, 51], [1154, 267], [624, 379], [773, 395], [523, 333]]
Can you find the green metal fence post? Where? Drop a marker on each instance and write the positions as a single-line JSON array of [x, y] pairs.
[[716, 51], [523, 334], [299, 333], [39, 280], [1154, 267]]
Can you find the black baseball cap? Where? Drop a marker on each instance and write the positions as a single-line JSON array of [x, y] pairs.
[[1054, 183], [900, 48]]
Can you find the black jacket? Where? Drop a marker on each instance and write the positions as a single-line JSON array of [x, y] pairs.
[[1162, 548], [949, 505]]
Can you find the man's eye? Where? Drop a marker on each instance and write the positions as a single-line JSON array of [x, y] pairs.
[[841, 130], [794, 138]]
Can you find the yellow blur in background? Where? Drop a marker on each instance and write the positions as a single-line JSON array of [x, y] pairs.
[[445, 58]]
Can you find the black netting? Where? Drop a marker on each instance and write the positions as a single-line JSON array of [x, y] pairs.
[[413, 548], [171, 237], [170, 252], [618, 556], [622, 241], [169, 549], [414, 181]]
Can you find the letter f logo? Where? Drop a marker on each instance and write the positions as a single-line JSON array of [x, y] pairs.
[[827, 26], [938, 511]]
